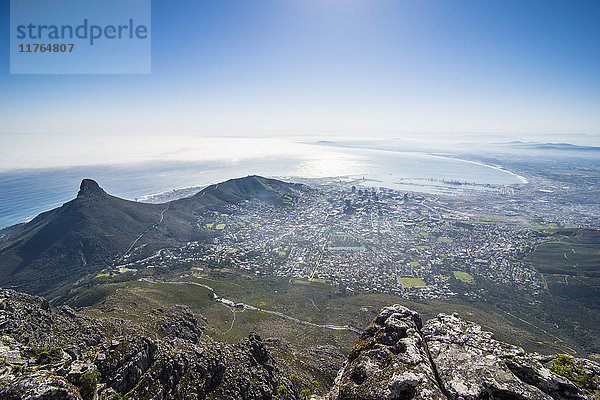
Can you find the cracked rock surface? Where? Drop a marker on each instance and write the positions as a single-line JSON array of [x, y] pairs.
[[56, 353], [398, 357], [473, 365], [389, 361]]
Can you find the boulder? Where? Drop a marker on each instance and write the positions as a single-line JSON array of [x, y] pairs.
[[389, 361], [40, 385]]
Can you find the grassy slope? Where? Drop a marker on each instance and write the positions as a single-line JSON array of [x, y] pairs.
[[75, 239], [570, 266], [315, 302], [88, 233]]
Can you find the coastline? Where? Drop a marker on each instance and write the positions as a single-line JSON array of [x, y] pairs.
[[41, 190], [523, 180]]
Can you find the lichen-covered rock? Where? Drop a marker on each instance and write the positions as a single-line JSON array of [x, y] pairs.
[[471, 365], [71, 329], [123, 365], [183, 370], [31, 321], [41, 385], [163, 357], [447, 358], [10, 356], [389, 361], [27, 319], [254, 376], [530, 371], [179, 370], [178, 322], [77, 369], [56, 353]]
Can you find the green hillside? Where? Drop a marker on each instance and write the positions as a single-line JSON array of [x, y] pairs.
[[96, 230]]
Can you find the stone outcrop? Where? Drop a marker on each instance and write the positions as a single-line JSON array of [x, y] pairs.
[[389, 361], [178, 322], [41, 385], [55, 353], [182, 369], [471, 364], [25, 318], [398, 357], [90, 189]]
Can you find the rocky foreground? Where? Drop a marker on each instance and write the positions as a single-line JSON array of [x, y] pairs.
[[399, 357], [55, 353]]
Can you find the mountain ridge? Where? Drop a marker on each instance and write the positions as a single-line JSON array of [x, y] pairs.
[[95, 229]]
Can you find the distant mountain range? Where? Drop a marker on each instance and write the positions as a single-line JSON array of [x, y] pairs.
[[468, 147], [552, 146], [95, 229]]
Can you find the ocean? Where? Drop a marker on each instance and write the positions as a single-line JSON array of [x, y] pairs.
[[24, 193]]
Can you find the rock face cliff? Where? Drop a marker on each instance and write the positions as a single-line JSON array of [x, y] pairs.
[[56, 353], [53, 353], [399, 357]]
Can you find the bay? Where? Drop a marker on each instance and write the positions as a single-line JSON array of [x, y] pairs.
[[24, 193]]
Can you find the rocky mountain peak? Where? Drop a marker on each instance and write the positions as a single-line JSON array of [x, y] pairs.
[[89, 189]]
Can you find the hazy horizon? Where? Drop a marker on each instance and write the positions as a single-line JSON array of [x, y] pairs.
[[39, 151], [332, 68]]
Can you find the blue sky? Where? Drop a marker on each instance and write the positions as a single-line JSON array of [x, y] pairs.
[[333, 67]]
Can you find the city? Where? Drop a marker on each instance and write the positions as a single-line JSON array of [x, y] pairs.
[[368, 239]]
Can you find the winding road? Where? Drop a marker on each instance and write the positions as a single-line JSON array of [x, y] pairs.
[[242, 305], [162, 217], [249, 307]]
